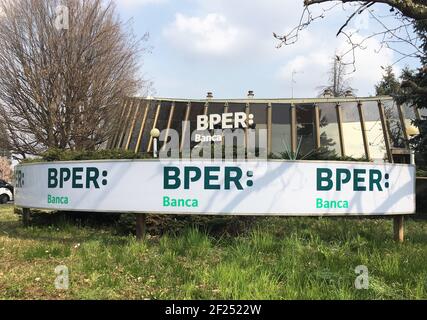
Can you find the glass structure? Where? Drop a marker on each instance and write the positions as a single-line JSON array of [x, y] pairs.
[[305, 126], [329, 131], [394, 124], [372, 128], [352, 131], [376, 139], [281, 140]]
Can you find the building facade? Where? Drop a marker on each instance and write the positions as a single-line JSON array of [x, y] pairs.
[[374, 128]]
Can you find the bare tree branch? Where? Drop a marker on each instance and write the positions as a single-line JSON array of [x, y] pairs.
[[416, 9], [397, 35], [361, 9], [60, 87]]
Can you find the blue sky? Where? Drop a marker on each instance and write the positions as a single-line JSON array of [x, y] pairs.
[[227, 47]]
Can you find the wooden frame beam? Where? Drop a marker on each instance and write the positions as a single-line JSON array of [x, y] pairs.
[[133, 125], [363, 127], [294, 131], [340, 129], [123, 131], [317, 125], [119, 125], [385, 131], [141, 130], [171, 114], [156, 118], [270, 128]]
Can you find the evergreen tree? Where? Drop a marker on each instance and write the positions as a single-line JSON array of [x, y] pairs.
[[414, 89], [389, 84]]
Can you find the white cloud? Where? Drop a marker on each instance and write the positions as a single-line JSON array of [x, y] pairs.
[[210, 35], [312, 67], [232, 42], [310, 73], [369, 60], [129, 4]]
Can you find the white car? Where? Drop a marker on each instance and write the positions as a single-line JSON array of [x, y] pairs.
[[6, 192]]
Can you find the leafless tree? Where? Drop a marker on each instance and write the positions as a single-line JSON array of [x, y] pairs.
[[339, 82], [5, 169], [395, 29], [4, 140], [65, 66]]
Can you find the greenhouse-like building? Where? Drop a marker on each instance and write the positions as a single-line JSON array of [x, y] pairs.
[[374, 128]]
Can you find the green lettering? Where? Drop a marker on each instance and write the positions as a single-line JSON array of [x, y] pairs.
[[326, 205], [77, 177], [233, 175], [187, 173], [166, 201], [342, 180], [358, 180], [92, 175], [52, 178], [65, 175], [210, 177], [171, 179], [375, 177], [324, 175]]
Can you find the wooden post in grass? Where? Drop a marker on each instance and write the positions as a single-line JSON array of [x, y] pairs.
[[26, 216], [141, 226], [399, 235]]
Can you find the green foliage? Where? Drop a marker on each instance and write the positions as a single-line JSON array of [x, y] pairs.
[[276, 258], [125, 224], [319, 154], [414, 89], [422, 172], [389, 84], [325, 154], [68, 155]]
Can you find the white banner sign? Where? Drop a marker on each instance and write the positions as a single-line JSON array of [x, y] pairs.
[[278, 188]]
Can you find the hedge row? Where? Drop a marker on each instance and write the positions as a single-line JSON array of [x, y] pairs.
[[69, 155]]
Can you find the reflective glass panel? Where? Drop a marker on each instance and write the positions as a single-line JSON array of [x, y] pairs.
[[148, 125], [330, 146], [178, 117], [259, 112], [374, 131], [281, 129], [352, 131], [127, 124], [409, 118], [138, 124], [306, 134], [197, 109], [394, 125]]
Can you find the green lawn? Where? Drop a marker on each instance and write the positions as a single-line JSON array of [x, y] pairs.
[[279, 258]]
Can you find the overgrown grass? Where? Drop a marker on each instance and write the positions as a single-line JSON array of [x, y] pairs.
[[277, 258]]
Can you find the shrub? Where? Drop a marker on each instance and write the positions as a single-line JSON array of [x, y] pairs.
[[70, 155], [422, 172]]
